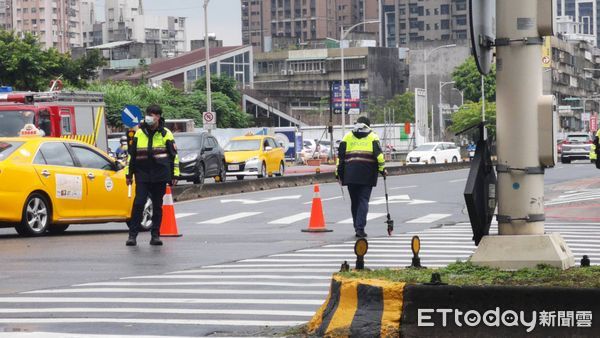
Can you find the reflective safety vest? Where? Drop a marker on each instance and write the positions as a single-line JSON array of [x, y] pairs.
[[360, 159], [153, 156]]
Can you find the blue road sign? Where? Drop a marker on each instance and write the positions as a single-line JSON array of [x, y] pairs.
[[131, 116]]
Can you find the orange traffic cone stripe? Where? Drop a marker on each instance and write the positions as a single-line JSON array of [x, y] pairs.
[[317, 219], [168, 226]]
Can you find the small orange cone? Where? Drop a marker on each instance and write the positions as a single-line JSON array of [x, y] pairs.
[[317, 220], [168, 226]]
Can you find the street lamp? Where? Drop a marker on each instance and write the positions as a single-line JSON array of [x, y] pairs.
[[425, 57], [442, 84], [343, 84], [207, 52], [462, 96]]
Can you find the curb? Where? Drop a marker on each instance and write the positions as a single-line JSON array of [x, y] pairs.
[[359, 308], [185, 193], [376, 308]]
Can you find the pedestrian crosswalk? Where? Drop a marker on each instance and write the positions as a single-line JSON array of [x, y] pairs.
[[303, 216], [575, 197], [276, 291]]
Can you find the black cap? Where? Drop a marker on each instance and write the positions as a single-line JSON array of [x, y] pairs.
[[365, 120]]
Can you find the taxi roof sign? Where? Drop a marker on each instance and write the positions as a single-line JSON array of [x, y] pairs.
[[30, 130]]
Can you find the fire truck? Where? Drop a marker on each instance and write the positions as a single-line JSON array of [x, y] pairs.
[[75, 115]]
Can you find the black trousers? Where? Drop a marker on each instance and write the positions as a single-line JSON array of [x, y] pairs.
[[359, 197], [143, 190]]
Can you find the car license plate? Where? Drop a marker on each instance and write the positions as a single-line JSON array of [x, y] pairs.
[[412, 159], [233, 167]]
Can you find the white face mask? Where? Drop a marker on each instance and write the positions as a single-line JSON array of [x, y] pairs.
[[149, 119]]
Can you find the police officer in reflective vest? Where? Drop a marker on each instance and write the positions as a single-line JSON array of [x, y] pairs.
[[153, 163], [360, 159]]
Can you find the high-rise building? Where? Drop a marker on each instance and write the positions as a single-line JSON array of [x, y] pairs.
[[407, 21], [126, 21], [88, 19], [57, 23], [578, 20], [265, 23]]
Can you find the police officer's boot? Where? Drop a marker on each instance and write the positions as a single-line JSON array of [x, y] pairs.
[[155, 239], [131, 241]]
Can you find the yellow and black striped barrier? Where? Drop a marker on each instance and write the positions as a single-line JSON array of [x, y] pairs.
[[359, 308], [89, 138]]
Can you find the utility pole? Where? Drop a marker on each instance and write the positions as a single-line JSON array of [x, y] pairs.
[[523, 140], [207, 52]]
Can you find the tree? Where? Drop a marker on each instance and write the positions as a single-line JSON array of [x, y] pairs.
[[470, 114], [467, 79], [402, 105], [175, 103], [222, 84], [26, 66]]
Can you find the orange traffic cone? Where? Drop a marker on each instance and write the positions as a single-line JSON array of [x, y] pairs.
[[317, 220], [168, 226]]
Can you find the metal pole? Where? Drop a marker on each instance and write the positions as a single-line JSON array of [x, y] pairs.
[[519, 85], [207, 49], [483, 106], [425, 56], [440, 114], [342, 84]]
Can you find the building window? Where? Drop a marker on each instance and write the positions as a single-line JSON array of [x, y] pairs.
[[445, 24], [445, 9], [461, 20]]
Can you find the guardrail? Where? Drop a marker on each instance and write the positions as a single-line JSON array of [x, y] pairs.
[[190, 192]]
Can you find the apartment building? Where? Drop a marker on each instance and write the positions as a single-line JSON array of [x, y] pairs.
[[57, 23], [578, 19], [299, 21], [88, 19], [126, 21]]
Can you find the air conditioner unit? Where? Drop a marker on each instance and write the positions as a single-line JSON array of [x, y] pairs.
[[290, 72], [284, 72], [323, 71], [363, 67]]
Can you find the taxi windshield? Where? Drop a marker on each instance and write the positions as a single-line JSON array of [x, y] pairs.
[[7, 148], [12, 121], [243, 145]]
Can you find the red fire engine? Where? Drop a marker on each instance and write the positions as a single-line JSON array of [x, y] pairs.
[[78, 115]]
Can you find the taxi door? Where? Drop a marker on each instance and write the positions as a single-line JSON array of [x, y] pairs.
[[64, 181], [106, 187]]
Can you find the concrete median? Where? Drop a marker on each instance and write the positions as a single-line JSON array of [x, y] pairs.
[[190, 192]]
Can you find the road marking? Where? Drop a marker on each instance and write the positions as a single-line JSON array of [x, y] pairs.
[[183, 214], [150, 321], [371, 216], [160, 300], [336, 260], [230, 218], [352, 255], [371, 250], [250, 277], [222, 282], [264, 200], [407, 187], [177, 291], [243, 270], [256, 312], [431, 218], [399, 199], [291, 219], [326, 199], [459, 180]]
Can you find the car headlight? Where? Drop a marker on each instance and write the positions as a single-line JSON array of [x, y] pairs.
[[253, 159], [189, 158]]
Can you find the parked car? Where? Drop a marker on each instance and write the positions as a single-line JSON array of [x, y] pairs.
[[51, 183], [200, 156], [254, 155], [435, 152], [576, 146]]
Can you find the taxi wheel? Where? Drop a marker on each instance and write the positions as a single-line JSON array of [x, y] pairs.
[[432, 160], [263, 171], [56, 229], [35, 217], [281, 169]]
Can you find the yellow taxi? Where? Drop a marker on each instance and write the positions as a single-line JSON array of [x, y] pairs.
[[48, 183], [254, 155]]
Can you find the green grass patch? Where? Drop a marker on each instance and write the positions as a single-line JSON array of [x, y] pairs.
[[465, 273]]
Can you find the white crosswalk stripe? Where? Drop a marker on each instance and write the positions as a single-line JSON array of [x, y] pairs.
[[370, 216], [230, 218], [291, 219], [573, 197], [431, 218], [279, 290]]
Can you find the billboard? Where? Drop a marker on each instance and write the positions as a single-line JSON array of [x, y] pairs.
[[352, 98], [421, 117]]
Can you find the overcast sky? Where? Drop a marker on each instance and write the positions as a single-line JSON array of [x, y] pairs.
[[224, 16]]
